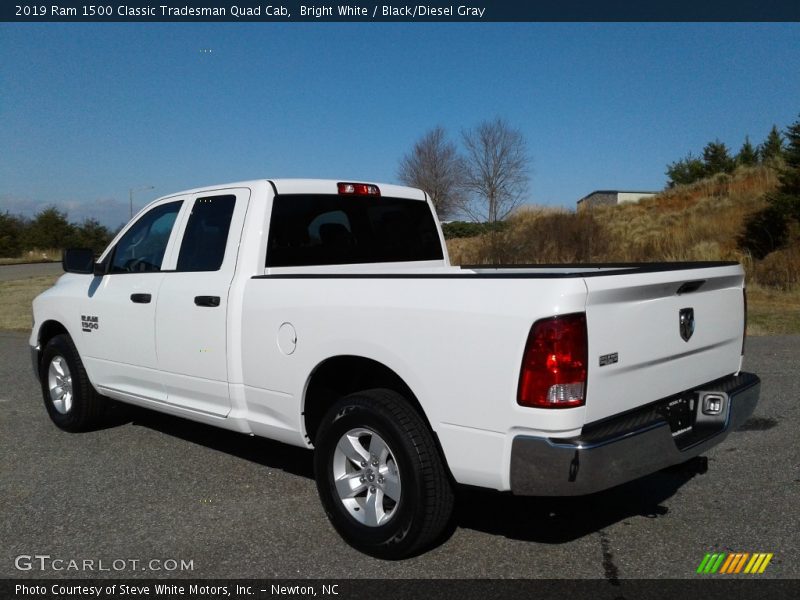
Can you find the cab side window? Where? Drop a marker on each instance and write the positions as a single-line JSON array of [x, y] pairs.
[[206, 235], [142, 248]]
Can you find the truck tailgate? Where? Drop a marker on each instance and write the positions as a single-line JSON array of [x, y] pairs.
[[637, 351]]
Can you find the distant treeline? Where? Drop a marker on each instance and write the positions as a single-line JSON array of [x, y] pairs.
[[49, 229], [717, 158]]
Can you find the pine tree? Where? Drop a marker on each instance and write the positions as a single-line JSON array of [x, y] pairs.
[[685, 171], [50, 229], [717, 159], [748, 156], [771, 151], [772, 228], [789, 176], [91, 234], [10, 235]]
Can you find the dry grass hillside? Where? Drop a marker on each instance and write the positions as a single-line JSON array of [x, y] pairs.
[[702, 221]]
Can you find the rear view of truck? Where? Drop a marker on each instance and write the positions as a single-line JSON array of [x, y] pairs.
[[659, 351]]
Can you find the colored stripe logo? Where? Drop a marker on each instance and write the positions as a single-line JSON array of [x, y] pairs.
[[734, 563]]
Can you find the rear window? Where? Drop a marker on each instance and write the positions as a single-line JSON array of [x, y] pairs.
[[310, 230]]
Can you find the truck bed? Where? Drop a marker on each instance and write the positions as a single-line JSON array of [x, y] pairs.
[[522, 271], [456, 336]]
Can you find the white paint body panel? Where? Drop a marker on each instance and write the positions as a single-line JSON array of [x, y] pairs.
[[191, 340], [455, 337], [637, 317]]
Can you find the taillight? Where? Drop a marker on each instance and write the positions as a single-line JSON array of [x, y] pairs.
[[554, 364], [358, 189]]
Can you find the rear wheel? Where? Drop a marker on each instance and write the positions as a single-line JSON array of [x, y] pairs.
[[380, 475], [71, 401]]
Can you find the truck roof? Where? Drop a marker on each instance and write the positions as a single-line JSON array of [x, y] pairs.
[[311, 186]]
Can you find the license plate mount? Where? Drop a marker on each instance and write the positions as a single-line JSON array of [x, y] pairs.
[[680, 414]]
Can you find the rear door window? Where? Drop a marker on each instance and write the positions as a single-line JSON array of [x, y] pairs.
[[206, 235]]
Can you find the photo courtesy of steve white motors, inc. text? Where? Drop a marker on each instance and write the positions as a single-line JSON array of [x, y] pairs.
[[235, 11], [172, 589]]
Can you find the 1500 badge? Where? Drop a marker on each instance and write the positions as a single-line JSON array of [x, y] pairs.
[[89, 322]]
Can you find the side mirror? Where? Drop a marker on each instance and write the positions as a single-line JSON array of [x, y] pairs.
[[78, 260], [101, 268]]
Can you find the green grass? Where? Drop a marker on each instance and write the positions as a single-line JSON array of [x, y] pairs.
[[17, 295]]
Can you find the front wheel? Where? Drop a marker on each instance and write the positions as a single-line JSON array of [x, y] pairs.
[[71, 401], [380, 476]]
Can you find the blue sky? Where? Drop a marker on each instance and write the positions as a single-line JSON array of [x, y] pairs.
[[88, 111]]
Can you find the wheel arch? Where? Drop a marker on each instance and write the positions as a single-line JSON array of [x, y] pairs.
[[339, 376], [47, 331]]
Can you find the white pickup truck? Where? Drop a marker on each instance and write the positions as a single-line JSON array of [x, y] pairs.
[[326, 315]]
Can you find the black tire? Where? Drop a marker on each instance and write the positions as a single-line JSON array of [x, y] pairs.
[[425, 504], [85, 407]]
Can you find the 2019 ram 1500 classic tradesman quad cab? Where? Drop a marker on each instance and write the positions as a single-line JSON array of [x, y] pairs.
[[326, 315]]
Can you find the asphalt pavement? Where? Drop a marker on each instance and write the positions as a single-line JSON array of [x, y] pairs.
[[24, 271], [154, 488]]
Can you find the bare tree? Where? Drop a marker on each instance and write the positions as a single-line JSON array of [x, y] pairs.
[[496, 171], [434, 165]]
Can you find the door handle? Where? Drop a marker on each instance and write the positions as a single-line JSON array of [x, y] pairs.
[[141, 298], [211, 301]]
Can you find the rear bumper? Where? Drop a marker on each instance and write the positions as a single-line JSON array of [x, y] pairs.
[[628, 446]]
